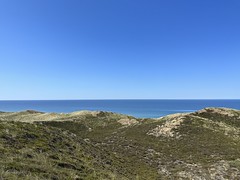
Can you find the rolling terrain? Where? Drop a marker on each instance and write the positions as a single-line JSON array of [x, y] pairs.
[[104, 145]]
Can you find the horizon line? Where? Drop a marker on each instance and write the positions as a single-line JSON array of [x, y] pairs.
[[114, 99]]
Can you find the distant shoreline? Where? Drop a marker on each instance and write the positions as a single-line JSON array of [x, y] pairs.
[[141, 108]]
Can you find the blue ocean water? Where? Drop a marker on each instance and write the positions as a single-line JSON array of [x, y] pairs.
[[137, 108]]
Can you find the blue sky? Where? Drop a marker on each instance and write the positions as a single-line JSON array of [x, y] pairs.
[[119, 49]]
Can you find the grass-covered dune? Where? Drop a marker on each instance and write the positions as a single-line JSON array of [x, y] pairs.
[[104, 145]]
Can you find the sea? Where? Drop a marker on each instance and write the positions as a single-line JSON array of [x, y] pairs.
[[137, 108]]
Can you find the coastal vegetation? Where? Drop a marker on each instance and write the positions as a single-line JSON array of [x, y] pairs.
[[105, 145]]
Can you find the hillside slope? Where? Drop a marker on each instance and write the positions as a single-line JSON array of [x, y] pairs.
[[35, 151], [200, 145]]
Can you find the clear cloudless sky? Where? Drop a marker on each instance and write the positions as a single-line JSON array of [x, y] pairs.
[[119, 49]]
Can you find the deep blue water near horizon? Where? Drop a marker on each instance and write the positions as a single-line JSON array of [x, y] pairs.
[[137, 108]]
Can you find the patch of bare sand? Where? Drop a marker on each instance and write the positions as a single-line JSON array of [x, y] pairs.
[[171, 123], [128, 122]]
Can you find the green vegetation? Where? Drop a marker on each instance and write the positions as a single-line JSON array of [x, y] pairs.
[[103, 145], [34, 151]]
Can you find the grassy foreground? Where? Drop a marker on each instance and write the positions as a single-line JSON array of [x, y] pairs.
[[104, 145]]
